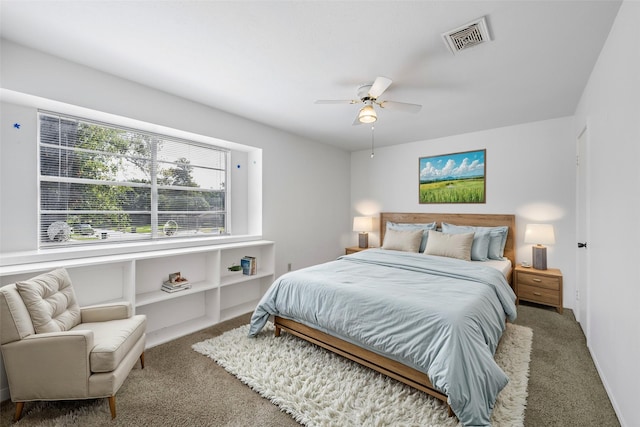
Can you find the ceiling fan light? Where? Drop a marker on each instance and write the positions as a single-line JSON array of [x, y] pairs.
[[367, 114]]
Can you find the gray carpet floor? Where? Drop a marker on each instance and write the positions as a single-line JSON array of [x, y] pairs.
[[180, 387]]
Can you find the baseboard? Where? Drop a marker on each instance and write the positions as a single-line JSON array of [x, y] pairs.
[[607, 389]]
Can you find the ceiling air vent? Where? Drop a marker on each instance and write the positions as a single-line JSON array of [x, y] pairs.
[[468, 35]]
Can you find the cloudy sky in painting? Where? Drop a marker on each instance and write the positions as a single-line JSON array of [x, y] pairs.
[[454, 166]]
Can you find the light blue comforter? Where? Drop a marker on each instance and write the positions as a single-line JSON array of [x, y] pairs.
[[439, 315]]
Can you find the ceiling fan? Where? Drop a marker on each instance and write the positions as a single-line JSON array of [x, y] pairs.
[[368, 94]]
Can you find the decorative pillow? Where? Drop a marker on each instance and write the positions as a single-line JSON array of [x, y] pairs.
[[410, 226], [449, 245], [403, 240], [481, 239], [497, 238], [51, 301], [498, 241]]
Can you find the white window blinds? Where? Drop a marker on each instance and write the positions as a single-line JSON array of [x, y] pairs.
[[104, 183]]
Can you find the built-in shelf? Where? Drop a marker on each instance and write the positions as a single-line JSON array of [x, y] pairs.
[[239, 278], [216, 294], [157, 296], [165, 335]]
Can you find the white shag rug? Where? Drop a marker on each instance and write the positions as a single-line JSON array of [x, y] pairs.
[[319, 388]]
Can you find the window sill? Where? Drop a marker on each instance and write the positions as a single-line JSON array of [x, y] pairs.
[[86, 251]]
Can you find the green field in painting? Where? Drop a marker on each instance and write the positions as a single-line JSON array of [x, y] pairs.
[[468, 190]]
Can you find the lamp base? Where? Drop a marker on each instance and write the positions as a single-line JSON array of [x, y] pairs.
[[539, 257], [363, 240]]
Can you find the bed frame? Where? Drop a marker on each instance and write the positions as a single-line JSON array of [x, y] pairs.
[[384, 365]]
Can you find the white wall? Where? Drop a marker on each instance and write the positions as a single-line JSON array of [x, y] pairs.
[[305, 210], [530, 172], [610, 110]]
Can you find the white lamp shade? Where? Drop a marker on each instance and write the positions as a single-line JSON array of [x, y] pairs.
[[362, 223], [367, 114], [539, 234]]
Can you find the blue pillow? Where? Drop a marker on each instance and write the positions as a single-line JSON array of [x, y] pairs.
[[497, 239], [481, 239], [410, 226]]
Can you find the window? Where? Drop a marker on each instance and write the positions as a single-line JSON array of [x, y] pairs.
[[104, 183]]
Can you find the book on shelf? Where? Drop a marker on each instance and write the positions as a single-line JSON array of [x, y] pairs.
[[175, 283], [174, 287], [249, 265]]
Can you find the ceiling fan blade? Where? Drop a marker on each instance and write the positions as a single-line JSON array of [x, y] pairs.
[[356, 121], [400, 106], [337, 101], [379, 86]]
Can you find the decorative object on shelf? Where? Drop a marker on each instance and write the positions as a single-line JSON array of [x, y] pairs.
[[249, 265], [170, 289], [453, 178], [170, 228], [235, 268], [539, 234], [363, 224], [59, 231], [176, 283]]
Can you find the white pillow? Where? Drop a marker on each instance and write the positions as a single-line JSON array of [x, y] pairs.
[[449, 245], [402, 240], [481, 239], [414, 226]]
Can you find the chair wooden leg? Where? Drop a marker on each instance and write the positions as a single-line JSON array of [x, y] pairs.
[[19, 407], [142, 360], [112, 406]]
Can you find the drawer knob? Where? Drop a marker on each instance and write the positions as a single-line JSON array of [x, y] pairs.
[[537, 294], [537, 280]]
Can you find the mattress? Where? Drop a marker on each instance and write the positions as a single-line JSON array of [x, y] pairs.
[[503, 266]]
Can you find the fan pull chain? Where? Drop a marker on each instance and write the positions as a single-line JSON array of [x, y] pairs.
[[372, 153]]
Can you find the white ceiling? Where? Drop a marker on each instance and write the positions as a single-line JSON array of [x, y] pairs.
[[270, 60]]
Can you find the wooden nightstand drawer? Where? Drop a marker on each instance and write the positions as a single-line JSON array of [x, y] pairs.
[[538, 280], [539, 286], [538, 294], [353, 250]]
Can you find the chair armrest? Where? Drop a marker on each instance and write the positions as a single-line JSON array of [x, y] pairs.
[[105, 312], [49, 366]]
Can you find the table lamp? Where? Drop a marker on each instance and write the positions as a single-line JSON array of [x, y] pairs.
[[363, 224], [539, 234]]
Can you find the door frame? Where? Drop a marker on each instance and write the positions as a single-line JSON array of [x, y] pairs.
[[583, 274]]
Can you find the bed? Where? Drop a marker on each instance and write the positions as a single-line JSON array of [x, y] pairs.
[[432, 322]]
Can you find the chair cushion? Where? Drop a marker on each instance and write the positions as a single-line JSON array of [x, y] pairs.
[[51, 301], [113, 340]]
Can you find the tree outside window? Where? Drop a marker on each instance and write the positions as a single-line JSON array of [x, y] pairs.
[[101, 182]]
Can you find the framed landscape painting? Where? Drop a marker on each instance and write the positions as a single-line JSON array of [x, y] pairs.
[[453, 178]]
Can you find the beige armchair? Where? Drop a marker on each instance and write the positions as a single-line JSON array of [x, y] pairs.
[[55, 350]]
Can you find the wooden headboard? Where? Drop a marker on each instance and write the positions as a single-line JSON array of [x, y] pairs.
[[480, 220]]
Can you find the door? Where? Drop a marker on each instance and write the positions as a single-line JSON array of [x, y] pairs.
[[582, 228]]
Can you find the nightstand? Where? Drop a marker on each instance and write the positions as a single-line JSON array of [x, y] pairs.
[[539, 286], [353, 250]]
